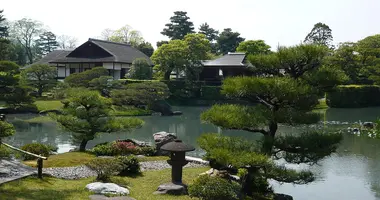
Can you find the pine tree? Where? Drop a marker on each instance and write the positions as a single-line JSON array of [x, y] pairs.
[[179, 26], [3, 28], [210, 33], [47, 42]]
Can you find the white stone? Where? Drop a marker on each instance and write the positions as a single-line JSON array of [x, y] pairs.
[[107, 188]]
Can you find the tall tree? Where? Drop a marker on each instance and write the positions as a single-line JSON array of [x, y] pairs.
[[41, 77], [170, 57], [140, 69], [369, 52], [26, 32], [3, 27], [286, 100], [228, 41], [253, 47], [160, 43], [320, 34], [179, 26], [146, 48], [210, 33], [123, 35], [182, 55], [5, 43], [86, 114], [67, 42], [47, 42]]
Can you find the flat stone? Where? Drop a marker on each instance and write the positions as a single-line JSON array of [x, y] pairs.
[[102, 197], [171, 188], [278, 196], [107, 188]]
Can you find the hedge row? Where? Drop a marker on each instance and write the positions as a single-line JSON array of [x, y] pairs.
[[182, 90], [354, 96]]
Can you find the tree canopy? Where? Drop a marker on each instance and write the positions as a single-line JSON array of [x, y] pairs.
[[86, 114], [41, 77], [254, 47], [282, 98], [182, 55], [320, 34], [228, 41], [210, 33], [83, 79], [140, 69], [47, 42], [179, 26], [125, 34]]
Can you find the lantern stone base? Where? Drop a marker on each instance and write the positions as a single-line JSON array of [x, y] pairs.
[[172, 188]]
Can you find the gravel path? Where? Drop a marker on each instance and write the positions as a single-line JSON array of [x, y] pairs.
[[84, 172], [11, 169]]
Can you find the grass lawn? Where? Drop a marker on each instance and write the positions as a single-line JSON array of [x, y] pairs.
[[39, 119], [141, 187], [78, 158], [129, 111], [48, 105], [64, 160]]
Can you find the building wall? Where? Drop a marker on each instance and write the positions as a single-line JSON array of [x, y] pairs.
[[115, 70]]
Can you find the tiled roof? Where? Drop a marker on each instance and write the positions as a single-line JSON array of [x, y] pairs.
[[230, 59]]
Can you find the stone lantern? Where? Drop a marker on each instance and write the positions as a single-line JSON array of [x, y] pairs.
[[177, 160]]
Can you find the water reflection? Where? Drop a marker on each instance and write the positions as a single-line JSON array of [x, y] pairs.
[[352, 173]]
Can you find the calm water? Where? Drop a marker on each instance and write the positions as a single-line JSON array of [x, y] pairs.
[[352, 173]]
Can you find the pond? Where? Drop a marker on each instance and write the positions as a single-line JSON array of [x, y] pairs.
[[352, 173]]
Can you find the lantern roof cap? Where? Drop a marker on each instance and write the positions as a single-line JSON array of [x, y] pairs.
[[177, 146]]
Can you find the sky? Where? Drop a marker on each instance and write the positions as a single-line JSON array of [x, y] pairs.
[[277, 22]]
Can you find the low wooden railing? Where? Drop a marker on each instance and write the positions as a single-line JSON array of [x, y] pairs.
[[39, 157]]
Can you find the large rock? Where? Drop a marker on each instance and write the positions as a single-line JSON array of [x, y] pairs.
[[107, 188], [162, 138], [172, 189], [282, 197], [102, 197]]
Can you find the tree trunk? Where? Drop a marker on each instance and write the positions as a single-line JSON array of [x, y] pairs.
[[272, 128], [40, 91], [167, 75], [247, 183], [82, 146]]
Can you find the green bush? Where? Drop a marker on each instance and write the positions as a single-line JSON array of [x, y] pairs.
[[129, 165], [354, 96], [36, 148], [4, 152], [103, 150], [147, 151], [211, 188], [104, 168], [211, 93]]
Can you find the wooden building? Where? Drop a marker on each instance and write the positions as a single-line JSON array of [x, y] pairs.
[[116, 57], [231, 64]]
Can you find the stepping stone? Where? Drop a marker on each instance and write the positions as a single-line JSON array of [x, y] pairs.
[[102, 197]]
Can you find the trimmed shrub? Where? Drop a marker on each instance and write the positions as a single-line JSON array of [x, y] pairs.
[[36, 148], [211, 93], [104, 168], [147, 151], [129, 165], [102, 150], [354, 96], [4, 152], [210, 188], [121, 148]]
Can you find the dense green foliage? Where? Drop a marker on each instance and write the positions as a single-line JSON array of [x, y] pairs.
[[118, 148], [182, 56], [179, 26], [140, 69], [40, 77], [11, 90], [211, 188], [125, 35], [146, 48], [353, 96], [36, 148], [83, 79], [6, 129], [5, 152], [320, 34], [87, 114], [211, 93], [129, 165], [253, 47], [137, 94], [47, 42], [104, 168], [228, 41], [286, 98], [104, 84]]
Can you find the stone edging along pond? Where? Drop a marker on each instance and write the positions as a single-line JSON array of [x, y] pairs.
[[84, 172]]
